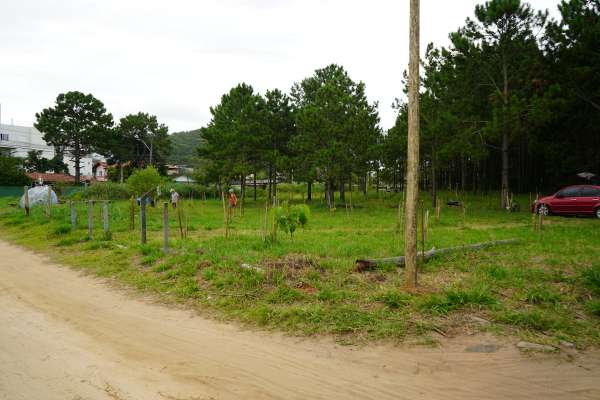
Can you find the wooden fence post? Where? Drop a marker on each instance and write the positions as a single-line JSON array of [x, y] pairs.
[[132, 214], [166, 226], [49, 202], [143, 219], [90, 219], [105, 216], [26, 199], [73, 215]]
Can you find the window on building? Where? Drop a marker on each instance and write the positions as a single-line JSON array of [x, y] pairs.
[[4, 137]]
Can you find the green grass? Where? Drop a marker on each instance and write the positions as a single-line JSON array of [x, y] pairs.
[[547, 287]]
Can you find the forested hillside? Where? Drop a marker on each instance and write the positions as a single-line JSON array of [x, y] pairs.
[[184, 147]]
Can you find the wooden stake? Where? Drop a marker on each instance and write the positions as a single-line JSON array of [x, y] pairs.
[[422, 234], [26, 199], [73, 214], [166, 227], [90, 219], [143, 220], [225, 215], [105, 216], [49, 204], [132, 214]]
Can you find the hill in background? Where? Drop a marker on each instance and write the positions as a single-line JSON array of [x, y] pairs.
[[184, 147]]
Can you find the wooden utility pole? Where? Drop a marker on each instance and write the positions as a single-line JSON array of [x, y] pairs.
[[412, 162]]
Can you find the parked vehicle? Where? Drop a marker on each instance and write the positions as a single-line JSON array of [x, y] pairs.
[[572, 200]]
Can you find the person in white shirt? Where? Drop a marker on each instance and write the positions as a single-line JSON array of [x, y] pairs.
[[174, 198]]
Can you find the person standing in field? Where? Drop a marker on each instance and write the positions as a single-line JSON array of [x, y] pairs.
[[232, 202], [174, 198]]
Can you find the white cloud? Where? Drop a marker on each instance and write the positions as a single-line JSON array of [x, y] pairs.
[[175, 59]]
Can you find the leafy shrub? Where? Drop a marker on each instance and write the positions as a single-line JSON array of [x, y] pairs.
[[189, 189], [107, 191], [289, 218], [144, 180], [12, 173]]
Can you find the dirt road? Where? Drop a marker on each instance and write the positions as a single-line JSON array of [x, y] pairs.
[[70, 337]]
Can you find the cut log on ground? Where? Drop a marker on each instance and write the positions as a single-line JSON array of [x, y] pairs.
[[369, 264]]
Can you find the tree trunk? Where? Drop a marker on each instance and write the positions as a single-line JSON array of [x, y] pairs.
[[309, 191], [243, 194], [254, 176], [77, 159], [433, 179], [463, 174], [342, 189], [270, 182], [121, 173], [412, 164], [504, 184]]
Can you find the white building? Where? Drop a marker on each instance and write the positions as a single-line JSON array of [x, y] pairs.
[[17, 141]]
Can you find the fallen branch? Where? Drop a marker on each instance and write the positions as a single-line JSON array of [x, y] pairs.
[[368, 264]]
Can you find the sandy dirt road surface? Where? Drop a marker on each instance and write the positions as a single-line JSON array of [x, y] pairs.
[[65, 336]]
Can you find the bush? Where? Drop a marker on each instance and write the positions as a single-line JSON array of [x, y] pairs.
[[144, 180], [107, 191], [187, 189], [11, 172], [289, 218]]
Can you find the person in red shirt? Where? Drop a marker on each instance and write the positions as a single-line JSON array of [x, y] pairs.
[[232, 202]]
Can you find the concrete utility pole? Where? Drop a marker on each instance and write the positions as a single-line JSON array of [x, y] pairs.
[[412, 162]]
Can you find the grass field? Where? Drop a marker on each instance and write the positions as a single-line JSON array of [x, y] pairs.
[[546, 289]]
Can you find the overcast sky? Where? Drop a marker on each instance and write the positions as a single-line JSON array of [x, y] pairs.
[[176, 58]]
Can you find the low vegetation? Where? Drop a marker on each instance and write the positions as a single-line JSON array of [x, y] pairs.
[[546, 288]]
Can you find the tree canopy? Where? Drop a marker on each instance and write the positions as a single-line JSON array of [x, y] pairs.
[[77, 123]]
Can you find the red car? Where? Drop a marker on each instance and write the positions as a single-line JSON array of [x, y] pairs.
[[573, 200]]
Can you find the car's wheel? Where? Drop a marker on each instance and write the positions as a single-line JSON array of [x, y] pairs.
[[598, 212], [543, 209]]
